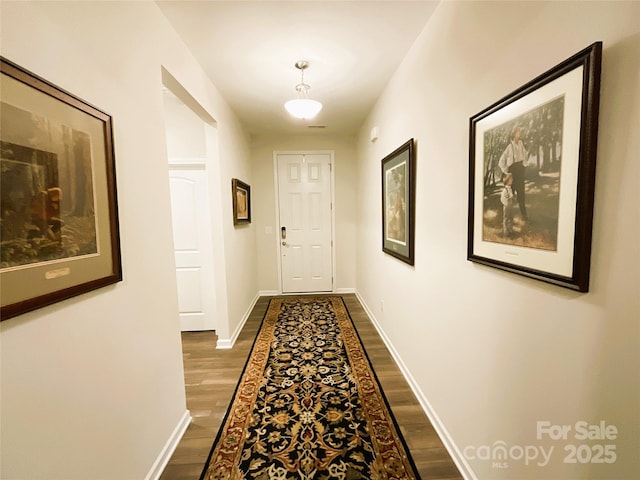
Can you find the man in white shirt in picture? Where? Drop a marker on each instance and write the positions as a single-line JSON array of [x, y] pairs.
[[513, 160]]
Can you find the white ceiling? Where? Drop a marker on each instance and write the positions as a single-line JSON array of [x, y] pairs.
[[249, 48]]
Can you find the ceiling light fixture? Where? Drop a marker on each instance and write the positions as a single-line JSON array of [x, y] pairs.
[[303, 106]]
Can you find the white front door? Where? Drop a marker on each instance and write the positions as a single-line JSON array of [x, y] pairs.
[[305, 222], [193, 247]]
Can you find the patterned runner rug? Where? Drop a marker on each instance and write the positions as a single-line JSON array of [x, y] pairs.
[[308, 405]]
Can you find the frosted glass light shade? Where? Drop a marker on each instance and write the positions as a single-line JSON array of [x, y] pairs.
[[303, 107]]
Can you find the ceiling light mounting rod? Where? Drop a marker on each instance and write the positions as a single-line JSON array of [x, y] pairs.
[[302, 106], [302, 87]]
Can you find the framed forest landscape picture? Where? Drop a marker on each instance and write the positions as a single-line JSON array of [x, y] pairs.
[[532, 175], [59, 224], [398, 202]]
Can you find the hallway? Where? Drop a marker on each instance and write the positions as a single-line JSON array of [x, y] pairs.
[[211, 376], [94, 386]]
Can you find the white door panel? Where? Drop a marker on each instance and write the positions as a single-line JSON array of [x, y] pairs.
[[192, 244], [304, 193], [189, 294]]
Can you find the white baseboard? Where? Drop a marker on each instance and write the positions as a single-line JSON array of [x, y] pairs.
[[229, 342], [169, 447], [345, 290], [461, 462], [268, 293]]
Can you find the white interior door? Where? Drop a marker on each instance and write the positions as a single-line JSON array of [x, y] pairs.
[[193, 247], [305, 223]]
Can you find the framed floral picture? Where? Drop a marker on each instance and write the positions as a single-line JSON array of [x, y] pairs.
[[241, 202], [398, 202]]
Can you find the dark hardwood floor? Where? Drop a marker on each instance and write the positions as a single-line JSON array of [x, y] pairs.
[[211, 376]]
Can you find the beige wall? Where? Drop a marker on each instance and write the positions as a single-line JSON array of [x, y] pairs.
[[264, 208], [93, 387], [490, 352]]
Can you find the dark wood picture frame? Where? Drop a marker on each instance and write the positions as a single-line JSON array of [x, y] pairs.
[[532, 159], [60, 235], [398, 202], [241, 193]]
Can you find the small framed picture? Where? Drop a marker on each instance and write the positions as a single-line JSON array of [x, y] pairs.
[[241, 202], [398, 203], [532, 175]]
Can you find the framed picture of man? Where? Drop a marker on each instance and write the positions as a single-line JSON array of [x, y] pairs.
[[532, 174]]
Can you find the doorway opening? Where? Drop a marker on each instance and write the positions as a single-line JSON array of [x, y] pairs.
[[192, 153]]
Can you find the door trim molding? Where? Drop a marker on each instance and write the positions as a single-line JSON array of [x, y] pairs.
[[333, 209]]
